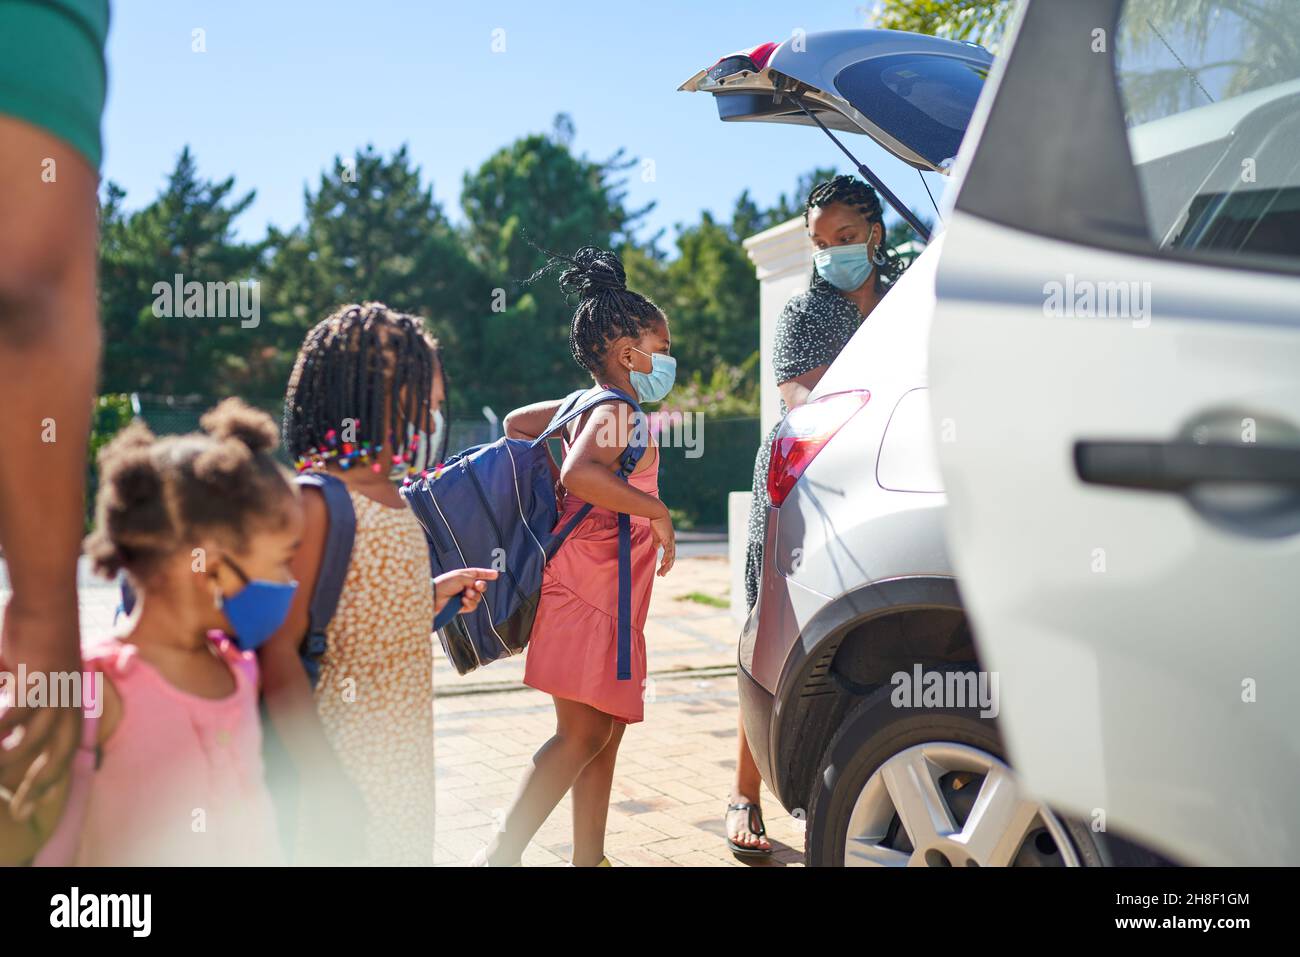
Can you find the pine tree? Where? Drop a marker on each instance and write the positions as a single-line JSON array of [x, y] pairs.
[[188, 231]]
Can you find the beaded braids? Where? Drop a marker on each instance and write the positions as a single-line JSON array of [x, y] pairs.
[[159, 495], [851, 191], [362, 376], [607, 309]]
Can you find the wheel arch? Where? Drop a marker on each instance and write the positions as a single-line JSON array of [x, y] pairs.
[[848, 650]]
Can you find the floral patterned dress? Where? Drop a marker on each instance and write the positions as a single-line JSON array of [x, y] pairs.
[[814, 326], [375, 694]]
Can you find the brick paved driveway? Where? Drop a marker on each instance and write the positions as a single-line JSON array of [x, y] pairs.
[[674, 769]]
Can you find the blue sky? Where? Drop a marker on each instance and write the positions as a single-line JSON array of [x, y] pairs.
[[283, 87]]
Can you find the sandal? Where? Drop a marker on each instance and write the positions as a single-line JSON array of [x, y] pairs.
[[755, 827]]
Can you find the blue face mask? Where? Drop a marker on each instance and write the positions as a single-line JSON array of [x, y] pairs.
[[844, 267], [257, 610], [658, 382]]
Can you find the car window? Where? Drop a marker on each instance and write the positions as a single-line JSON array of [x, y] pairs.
[[1211, 97]]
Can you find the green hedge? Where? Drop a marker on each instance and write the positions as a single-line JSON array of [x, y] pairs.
[[694, 487]]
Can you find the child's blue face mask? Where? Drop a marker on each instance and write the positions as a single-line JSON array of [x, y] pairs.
[[257, 610], [658, 382], [844, 267]]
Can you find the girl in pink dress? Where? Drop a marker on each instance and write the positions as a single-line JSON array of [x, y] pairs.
[[170, 770], [621, 338]]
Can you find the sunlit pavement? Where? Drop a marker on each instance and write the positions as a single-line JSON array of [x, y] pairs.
[[674, 769], [670, 786]]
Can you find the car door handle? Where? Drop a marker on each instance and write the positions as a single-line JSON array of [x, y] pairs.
[[1180, 465]]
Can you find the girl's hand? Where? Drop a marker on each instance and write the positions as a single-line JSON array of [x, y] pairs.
[[664, 536], [469, 583]]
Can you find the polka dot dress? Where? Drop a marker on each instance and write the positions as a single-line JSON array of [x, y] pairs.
[[375, 695], [813, 328]]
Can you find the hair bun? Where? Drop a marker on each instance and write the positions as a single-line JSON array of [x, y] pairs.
[[130, 509], [235, 419], [594, 270], [129, 459]]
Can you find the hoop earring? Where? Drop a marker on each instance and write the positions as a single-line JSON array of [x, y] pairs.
[[877, 256]]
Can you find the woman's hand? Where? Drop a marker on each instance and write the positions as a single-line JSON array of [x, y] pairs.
[[661, 529], [31, 765], [796, 392], [469, 583]]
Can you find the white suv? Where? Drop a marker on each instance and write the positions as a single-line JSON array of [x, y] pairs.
[[1103, 352], [1115, 356]]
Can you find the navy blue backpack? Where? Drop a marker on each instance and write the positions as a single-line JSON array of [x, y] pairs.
[[494, 506]]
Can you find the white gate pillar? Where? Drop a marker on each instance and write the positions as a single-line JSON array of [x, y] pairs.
[[782, 258]]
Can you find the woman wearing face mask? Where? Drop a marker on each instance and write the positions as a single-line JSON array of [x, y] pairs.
[[852, 272]]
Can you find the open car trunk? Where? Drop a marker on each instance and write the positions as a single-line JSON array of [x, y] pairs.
[[912, 94]]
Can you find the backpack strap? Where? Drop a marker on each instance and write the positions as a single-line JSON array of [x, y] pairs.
[[567, 410], [584, 400], [449, 611], [624, 660], [333, 567], [573, 406], [126, 597]]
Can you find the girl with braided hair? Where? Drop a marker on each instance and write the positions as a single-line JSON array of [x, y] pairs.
[[363, 405], [621, 339], [853, 271]]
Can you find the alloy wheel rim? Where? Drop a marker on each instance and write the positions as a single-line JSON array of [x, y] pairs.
[[912, 813]]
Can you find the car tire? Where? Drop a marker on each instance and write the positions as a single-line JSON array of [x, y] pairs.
[[876, 731]]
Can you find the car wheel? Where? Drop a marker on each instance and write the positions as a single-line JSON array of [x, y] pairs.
[[929, 787]]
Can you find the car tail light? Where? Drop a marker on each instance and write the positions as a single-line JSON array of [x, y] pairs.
[[803, 434], [761, 54], [752, 61]]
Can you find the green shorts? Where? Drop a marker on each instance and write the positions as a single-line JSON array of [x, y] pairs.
[[52, 71]]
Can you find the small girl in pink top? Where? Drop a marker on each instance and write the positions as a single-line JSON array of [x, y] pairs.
[[204, 526]]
